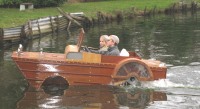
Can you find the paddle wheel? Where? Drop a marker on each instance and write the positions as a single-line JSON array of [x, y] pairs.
[[130, 71]]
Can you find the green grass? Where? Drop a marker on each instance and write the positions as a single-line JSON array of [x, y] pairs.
[[14, 17]]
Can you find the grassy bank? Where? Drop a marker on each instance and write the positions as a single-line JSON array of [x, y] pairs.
[[14, 17]]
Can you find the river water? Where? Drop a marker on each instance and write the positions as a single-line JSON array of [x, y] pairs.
[[174, 40]]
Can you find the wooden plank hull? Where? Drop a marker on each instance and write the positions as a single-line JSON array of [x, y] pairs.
[[105, 70], [75, 73]]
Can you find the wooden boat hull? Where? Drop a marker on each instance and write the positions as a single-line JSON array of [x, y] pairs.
[[89, 70]]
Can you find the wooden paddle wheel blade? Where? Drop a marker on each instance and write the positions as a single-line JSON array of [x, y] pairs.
[[131, 69]]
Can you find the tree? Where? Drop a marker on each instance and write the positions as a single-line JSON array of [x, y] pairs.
[[37, 3]]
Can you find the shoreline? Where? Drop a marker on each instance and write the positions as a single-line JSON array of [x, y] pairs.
[[27, 30], [12, 17]]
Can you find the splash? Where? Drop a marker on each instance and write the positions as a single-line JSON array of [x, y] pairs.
[[162, 83]]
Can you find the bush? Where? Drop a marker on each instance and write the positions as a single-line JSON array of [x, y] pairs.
[[47, 3], [9, 3], [37, 3]]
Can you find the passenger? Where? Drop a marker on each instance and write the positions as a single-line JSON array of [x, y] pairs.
[[103, 43], [112, 43], [112, 46]]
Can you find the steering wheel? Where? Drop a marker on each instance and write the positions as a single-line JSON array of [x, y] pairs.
[[85, 48]]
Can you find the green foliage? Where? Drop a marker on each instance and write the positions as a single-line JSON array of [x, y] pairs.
[[46, 3], [37, 3], [11, 17], [9, 2]]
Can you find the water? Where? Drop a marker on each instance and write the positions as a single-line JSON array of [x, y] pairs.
[[174, 40]]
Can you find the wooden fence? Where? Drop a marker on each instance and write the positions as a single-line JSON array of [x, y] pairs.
[[35, 28]]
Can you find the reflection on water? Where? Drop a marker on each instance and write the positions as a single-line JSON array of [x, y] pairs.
[[89, 97]]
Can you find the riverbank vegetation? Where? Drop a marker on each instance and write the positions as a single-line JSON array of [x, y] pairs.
[[37, 3], [11, 17]]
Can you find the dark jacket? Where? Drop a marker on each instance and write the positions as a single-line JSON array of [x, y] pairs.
[[113, 51]]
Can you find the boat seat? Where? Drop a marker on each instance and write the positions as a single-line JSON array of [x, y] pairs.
[[74, 55], [71, 48]]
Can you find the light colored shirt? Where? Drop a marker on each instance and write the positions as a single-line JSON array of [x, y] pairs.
[[105, 48]]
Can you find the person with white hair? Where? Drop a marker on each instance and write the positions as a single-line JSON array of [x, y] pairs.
[[103, 42], [112, 49]]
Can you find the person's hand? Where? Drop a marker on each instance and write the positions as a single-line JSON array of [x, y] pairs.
[[85, 48]]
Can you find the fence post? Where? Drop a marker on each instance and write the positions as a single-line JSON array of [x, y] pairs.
[[154, 10], [1, 46], [1, 34], [23, 33], [52, 26], [30, 29], [1, 53], [193, 6], [145, 11], [58, 23], [39, 27]]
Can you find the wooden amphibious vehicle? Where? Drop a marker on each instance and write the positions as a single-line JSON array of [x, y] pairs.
[[77, 67]]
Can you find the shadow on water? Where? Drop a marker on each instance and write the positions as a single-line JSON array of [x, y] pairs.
[[82, 97]]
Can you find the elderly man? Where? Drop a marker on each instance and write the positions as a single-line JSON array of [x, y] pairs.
[[112, 46]]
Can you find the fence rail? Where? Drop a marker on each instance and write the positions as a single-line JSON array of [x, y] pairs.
[[36, 27]]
